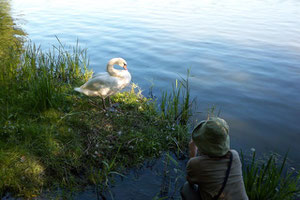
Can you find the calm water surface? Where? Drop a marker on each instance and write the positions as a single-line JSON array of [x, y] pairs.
[[244, 55]]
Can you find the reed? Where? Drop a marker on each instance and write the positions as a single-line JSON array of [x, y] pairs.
[[176, 105], [270, 179], [38, 76]]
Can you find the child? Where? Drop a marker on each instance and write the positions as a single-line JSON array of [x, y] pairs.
[[216, 173]]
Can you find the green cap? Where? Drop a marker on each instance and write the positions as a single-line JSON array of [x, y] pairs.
[[211, 137]]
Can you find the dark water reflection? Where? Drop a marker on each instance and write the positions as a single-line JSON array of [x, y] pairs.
[[158, 179]]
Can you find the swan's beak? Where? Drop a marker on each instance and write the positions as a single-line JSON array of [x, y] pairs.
[[125, 67]]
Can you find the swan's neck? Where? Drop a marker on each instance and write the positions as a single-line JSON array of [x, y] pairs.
[[111, 70]]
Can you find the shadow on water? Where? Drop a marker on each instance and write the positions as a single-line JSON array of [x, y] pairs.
[[157, 179]]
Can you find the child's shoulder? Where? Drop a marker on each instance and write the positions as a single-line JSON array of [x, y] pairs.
[[234, 153]]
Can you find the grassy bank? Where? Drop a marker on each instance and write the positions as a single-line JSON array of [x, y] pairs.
[[53, 137]]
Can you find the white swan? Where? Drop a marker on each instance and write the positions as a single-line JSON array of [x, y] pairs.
[[107, 83]]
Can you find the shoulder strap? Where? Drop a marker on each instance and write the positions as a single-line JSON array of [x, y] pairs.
[[226, 178]]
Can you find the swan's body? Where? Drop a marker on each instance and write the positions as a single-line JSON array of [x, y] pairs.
[[107, 83]]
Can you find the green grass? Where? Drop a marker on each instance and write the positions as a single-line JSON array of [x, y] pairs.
[[269, 179], [52, 137], [176, 105]]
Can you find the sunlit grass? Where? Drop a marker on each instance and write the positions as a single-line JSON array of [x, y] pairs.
[[21, 170]]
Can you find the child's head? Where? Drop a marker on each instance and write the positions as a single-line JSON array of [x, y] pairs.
[[211, 137]]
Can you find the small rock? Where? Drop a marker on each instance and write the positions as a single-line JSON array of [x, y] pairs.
[[22, 159]]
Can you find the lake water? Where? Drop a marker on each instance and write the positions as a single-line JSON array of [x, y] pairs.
[[244, 55]]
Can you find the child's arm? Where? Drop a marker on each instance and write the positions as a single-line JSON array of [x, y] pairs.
[[192, 149]]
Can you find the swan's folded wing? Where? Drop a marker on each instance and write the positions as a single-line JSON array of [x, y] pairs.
[[100, 82], [100, 75]]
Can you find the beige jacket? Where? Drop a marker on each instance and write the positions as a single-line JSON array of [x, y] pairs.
[[209, 174]]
